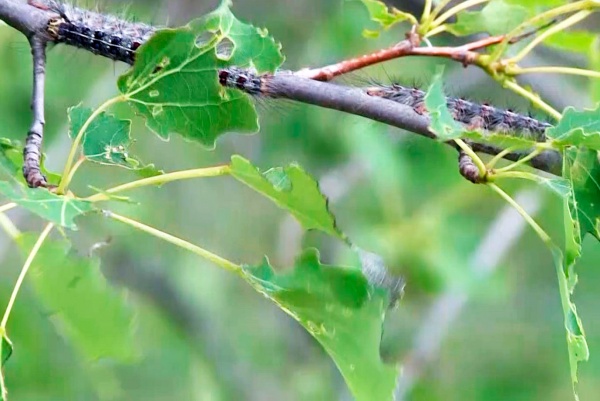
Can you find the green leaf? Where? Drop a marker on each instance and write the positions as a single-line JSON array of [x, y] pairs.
[[6, 349], [534, 6], [385, 16], [581, 216], [572, 41], [83, 307], [577, 128], [107, 140], [496, 18], [60, 210], [441, 121], [342, 311], [583, 170], [11, 162], [576, 342], [290, 188], [174, 82]]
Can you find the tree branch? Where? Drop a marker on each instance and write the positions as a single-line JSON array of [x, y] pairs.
[[33, 21], [32, 153], [357, 102], [25, 18]]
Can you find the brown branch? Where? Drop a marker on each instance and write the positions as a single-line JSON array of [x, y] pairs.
[[465, 54], [32, 22], [32, 153], [357, 102]]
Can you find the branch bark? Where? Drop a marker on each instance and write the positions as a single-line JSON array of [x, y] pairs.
[[33, 21], [357, 102]]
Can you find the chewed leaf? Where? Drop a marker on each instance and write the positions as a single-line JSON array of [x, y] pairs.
[[342, 311], [577, 128], [576, 341], [174, 82], [107, 140], [11, 163], [251, 45], [60, 210], [385, 16], [583, 170], [582, 213], [441, 121], [487, 20], [83, 307], [290, 188]]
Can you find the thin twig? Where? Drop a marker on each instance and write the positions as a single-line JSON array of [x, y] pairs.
[[32, 153]]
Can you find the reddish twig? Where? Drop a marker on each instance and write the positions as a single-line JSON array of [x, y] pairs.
[[465, 54]]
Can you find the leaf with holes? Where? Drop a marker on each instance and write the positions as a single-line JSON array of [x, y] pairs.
[[486, 20], [385, 16], [441, 121], [583, 170], [577, 128], [174, 82], [79, 301], [60, 210], [342, 311], [106, 140], [582, 215], [576, 341], [292, 189]]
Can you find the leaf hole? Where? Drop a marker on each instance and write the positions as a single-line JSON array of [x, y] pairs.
[[225, 49], [161, 65], [205, 38]]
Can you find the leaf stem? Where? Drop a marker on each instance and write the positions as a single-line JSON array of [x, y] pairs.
[[24, 270], [519, 162], [455, 10], [439, 8], [216, 259], [547, 15], [572, 20], [74, 169], [426, 10], [516, 70], [162, 179], [539, 230], [6, 224], [490, 165], [66, 176], [517, 174], [515, 87]]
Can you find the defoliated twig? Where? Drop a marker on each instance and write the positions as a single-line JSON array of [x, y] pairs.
[[32, 154]]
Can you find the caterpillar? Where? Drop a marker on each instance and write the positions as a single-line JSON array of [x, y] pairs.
[[473, 116], [118, 39], [104, 35]]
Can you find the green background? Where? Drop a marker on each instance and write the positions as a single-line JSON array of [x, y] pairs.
[[204, 334]]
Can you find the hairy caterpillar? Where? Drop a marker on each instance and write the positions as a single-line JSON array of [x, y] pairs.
[[118, 39], [101, 34], [473, 115]]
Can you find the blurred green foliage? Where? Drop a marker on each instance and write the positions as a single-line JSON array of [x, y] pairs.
[[204, 334]]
